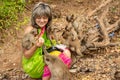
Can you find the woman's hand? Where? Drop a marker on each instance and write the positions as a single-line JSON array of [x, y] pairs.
[[40, 42]]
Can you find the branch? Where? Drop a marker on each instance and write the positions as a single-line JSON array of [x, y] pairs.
[[114, 26], [98, 8]]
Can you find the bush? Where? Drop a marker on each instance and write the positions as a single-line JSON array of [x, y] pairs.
[[9, 11]]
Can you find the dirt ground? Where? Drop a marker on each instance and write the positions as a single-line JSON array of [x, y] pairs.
[[95, 65]]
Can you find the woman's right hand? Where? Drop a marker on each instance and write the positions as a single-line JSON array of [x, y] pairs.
[[39, 42]]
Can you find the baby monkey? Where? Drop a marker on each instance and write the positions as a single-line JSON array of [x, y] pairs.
[[29, 39], [58, 69]]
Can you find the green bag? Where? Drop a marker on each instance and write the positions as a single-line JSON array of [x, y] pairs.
[[35, 65]]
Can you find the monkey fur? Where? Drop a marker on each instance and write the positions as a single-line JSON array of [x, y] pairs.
[[59, 71], [29, 39]]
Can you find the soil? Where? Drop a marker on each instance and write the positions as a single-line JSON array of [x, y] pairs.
[[101, 64]]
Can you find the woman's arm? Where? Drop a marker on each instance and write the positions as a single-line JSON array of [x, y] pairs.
[[28, 53]]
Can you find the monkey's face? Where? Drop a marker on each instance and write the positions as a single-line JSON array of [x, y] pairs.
[[34, 31], [49, 59]]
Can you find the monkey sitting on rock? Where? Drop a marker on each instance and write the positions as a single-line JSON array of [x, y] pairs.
[[29, 39]]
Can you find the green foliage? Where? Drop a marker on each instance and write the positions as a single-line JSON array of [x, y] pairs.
[[9, 12], [24, 21]]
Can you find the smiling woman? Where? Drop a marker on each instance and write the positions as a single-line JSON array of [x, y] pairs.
[[41, 21], [41, 12], [32, 60], [33, 63]]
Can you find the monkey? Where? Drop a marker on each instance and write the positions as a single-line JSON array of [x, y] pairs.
[[29, 39], [70, 31], [70, 38], [74, 46], [59, 71], [70, 18], [56, 13]]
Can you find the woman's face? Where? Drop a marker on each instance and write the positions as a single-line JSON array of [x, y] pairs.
[[41, 21]]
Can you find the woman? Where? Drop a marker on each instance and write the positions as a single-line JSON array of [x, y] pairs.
[[32, 60]]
